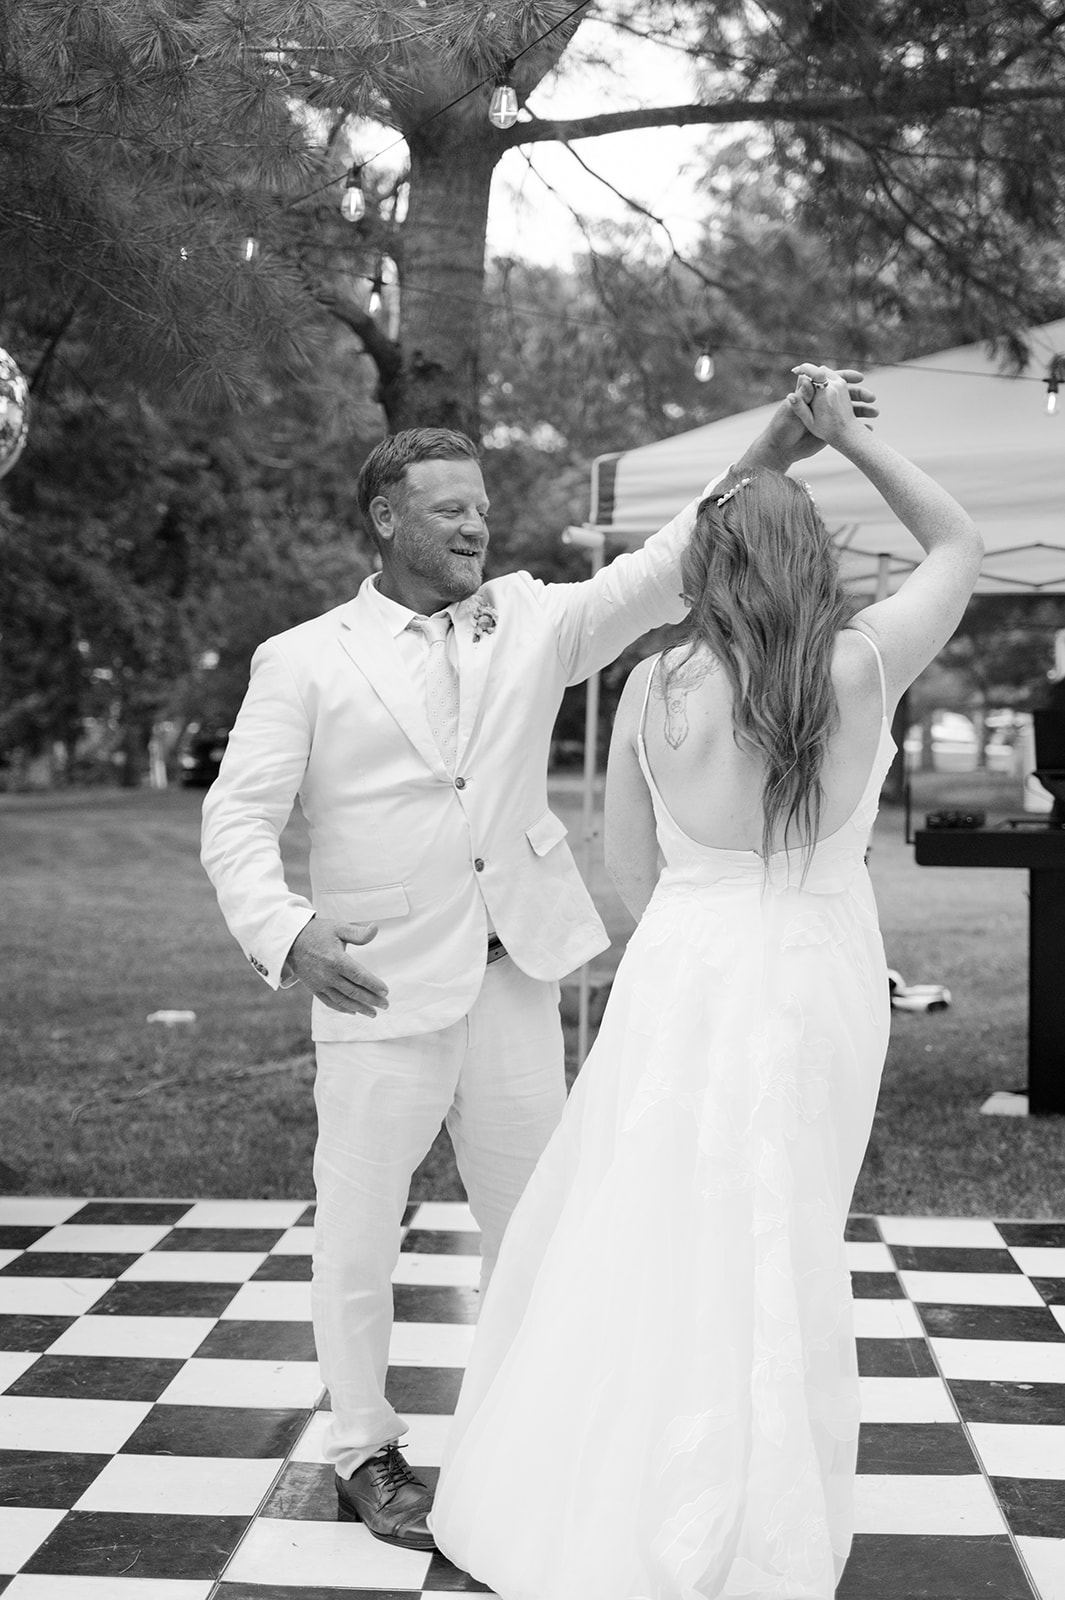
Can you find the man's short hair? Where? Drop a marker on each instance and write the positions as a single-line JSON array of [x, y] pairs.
[[388, 461]]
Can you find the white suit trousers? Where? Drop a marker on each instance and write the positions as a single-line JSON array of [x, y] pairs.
[[496, 1079]]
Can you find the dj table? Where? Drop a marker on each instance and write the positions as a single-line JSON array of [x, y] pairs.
[[1041, 850]]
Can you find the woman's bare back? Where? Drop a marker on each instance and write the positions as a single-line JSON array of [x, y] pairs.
[[711, 783]]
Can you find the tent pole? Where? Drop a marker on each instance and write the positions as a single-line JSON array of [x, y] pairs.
[[593, 540]]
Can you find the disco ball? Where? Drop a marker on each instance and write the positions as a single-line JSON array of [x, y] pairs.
[[14, 412]]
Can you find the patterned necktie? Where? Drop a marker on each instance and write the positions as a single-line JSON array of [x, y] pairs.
[[441, 685]]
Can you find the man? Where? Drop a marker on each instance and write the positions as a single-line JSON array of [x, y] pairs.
[[414, 723]]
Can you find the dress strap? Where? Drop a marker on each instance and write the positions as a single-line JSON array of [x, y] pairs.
[[647, 695], [875, 648]]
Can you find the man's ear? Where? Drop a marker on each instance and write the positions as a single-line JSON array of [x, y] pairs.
[[382, 517]]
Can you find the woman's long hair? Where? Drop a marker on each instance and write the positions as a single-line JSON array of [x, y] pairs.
[[762, 578]]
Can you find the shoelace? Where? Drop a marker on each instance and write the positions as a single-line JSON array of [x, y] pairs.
[[391, 1472]]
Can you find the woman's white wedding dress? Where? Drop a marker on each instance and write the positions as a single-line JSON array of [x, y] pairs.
[[662, 1400]]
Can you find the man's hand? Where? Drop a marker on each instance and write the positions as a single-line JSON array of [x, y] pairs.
[[787, 439], [319, 959]]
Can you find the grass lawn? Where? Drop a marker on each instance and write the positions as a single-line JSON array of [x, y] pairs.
[[108, 917]]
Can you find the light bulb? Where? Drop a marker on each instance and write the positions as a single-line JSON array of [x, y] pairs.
[[251, 248], [503, 110], [704, 367], [376, 297], [353, 201], [1052, 399]]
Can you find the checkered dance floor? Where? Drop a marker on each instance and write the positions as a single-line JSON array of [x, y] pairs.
[[161, 1413]]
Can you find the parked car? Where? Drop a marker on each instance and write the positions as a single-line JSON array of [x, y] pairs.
[[201, 756]]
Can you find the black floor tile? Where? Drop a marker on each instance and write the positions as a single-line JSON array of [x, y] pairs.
[[97, 1377], [305, 1492], [895, 1358], [1032, 1233], [138, 1544], [1033, 1507], [434, 1303], [287, 1269], [305, 1218], [1052, 1290], [68, 1264], [136, 1299], [942, 1258], [436, 1242], [255, 1432], [900, 1566], [432, 1390], [220, 1239], [1032, 1324], [1026, 1403], [862, 1230], [19, 1238], [241, 1340], [31, 1333], [47, 1479], [915, 1449], [443, 1578], [876, 1286], [147, 1213], [286, 1591]]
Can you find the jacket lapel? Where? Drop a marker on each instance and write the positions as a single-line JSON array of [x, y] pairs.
[[372, 647]]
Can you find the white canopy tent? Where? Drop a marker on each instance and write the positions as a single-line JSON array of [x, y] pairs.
[[985, 435]]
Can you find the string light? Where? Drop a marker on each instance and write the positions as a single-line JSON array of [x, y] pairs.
[[1054, 378], [703, 370], [503, 108], [377, 288], [353, 201], [251, 248]]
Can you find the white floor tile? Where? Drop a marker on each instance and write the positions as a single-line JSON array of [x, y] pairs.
[[431, 1344], [968, 1232], [423, 1446], [23, 1529], [169, 1337], [13, 1363], [195, 1266], [63, 1587], [906, 1400], [310, 1446], [869, 1256], [450, 1216], [243, 1214], [192, 1486], [1058, 1313], [270, 1301], [119, 1238], [331, 1555], [886, 1319], [1020, 1450], [994, 1360], [1046, 1563], [72, 1426], [36, 1211], [244, 1383], [7, 1256], [295, 1242], [899, 1503], [50, 1297], [1040, 1261], [459, 1272], [971, 1288]]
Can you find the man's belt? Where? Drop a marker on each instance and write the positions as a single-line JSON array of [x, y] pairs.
[[496, 948]]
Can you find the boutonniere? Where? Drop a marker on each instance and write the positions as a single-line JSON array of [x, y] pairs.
[[484, 617]]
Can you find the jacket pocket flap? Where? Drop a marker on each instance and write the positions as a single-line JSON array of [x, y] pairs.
[[546, 832], [366, 905]]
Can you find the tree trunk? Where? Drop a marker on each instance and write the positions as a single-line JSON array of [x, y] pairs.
[[441, 276]]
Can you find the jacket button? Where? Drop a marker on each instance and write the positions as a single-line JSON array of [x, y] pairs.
[[460, 783], [478, 865]]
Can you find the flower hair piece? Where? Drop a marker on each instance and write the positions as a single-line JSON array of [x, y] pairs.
[[722, 499]]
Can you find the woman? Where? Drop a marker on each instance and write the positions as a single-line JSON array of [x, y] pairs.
[[662, 1400]]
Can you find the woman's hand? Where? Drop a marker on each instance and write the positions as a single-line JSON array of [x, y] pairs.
[[823, 402]]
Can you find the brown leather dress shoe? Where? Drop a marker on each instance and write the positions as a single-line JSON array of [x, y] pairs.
[[385, 1495]]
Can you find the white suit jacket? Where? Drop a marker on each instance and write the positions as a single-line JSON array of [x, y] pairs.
[[331, 716]]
